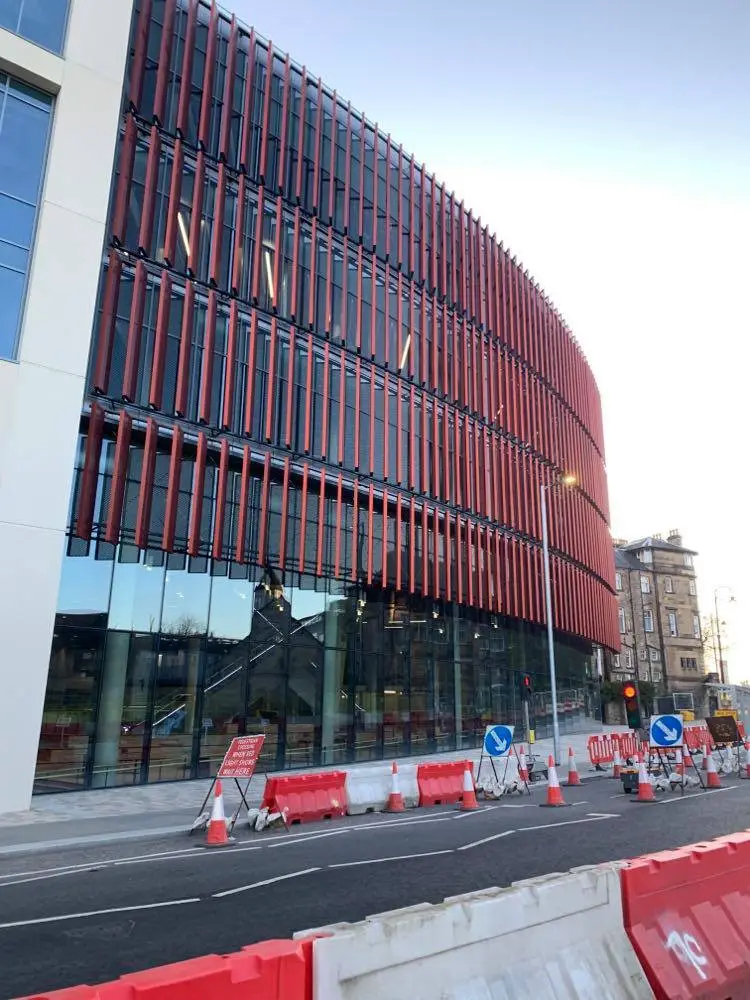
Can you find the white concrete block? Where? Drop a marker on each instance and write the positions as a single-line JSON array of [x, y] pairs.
[[368, 788], [559, 937]]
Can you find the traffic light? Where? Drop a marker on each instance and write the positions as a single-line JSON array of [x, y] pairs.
[[632, 708], [527, 687]]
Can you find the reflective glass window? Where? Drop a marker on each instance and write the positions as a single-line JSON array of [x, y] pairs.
[[40, 21], [24, 131], [85, 584], [137, 590], [186, 598], [231, 608]]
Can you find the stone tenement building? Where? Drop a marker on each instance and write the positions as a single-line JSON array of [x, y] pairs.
[[659, 620]]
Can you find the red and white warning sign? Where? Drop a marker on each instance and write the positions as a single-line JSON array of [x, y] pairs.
[[241, 757]]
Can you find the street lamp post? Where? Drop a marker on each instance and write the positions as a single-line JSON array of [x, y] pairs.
[[722, 677], [550, 629]]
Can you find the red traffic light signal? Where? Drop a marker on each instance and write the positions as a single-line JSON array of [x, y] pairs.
[[632, 708]]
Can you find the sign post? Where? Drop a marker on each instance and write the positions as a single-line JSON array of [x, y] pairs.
[[498, 744], [239, 763]]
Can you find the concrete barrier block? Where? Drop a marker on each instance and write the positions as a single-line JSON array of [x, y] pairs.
[[559, 937]]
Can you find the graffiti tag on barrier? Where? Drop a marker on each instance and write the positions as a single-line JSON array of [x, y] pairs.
[[688, 950]]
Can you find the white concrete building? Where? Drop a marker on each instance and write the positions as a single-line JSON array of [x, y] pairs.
[[61, 70]]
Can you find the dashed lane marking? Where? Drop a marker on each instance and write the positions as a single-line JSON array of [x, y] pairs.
[[267, 881], [400, 857], [97, 913]]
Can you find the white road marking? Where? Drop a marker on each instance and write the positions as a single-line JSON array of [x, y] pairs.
[[305, 840], [475, 812], [259, 885], [97, 913], [695, 795], [379, 861], [486, 840], [86, 865], [201, 853]]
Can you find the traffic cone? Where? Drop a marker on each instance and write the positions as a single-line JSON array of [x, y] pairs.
[[554, 794], [573, 777], [712, 778], [469, 797], [617, 766], [747, 758], [645, 788], [395, 799], [705, 757], [216, 835], [523, 771], [687, 760]]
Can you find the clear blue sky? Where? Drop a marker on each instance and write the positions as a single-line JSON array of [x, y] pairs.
[[608, 143]]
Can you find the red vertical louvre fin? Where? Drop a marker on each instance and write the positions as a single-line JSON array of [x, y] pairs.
[[399, 216], [187, 68], [384, 548], [460, 561], [342, 408], [326, 398], [227, 100], [165, 60], [196, 507], [287, 437], [105, 336], [348, 167], [412, 545], [284, 530], [284, 124], [156, 383], [271, 394], [387, 208], [328, 319], [308, 393], [470, 559], [138, 65], [375, 174], [175, 200], [204, 121], [398, 541], [265, 124], [133, 351], [119, 476], [258, 248], [207, 373], [301, 134], [238, 260], [173, 490], [293, 309], [252, 338], [90, 472], [229, 378], [313, 274], [357, 395], [318, 143], [355, 533], [424, 263], [425, 553], [412, 213], [373, 401], [196, 220], [146, 490], [386, 425], [303, 517], [149, 192], [436, 552], [217, 229], [263, 522], [183, 361], [370, 528], [358, 343], [322, 525], [217, 547], [448, 557], [337, 535]]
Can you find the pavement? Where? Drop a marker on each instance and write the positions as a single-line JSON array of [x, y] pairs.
[[113, 815], [92, 913]]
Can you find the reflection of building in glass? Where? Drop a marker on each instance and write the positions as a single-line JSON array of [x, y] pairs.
[[321, 402]]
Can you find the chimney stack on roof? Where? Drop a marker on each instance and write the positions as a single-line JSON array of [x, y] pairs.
[[675, 537]]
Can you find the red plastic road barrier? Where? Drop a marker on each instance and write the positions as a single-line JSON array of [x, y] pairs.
[[601, 750], [697, 736], [628, 744], [273, 970], [303, 798], [441, 784], [687, 914]]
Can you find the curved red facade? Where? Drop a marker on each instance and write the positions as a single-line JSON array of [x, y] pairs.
[[313, 356]]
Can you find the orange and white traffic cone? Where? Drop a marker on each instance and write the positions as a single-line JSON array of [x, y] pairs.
[[395, 799], [469, 797], [523, 771], [645, 788], [687, 760], [747, 758], [712, 778], [554, 794], [617, 765], [573, 776], [704, 751], [216, 835]]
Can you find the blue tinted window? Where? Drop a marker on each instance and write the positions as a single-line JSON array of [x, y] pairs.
[[41, 21], [24, 130]]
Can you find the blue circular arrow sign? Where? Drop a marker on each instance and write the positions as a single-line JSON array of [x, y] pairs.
[[498, 740], [666, 731]]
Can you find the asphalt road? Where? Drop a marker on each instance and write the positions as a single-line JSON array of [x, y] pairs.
[[87, 916]]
